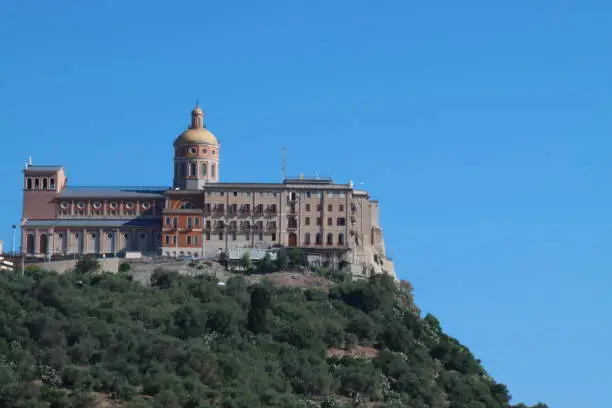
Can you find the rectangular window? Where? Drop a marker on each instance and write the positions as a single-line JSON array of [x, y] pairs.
[[220, 236], [233, 236], [307, 207], [330, 207], [329, 221], [274, 236], [318, 207], [208, 236], [174, 239], [261, 236], [188, 240], [196, 240], [341, 207], [341, 222], [167, 239], [318, 220], [307, 221], [308, 194]]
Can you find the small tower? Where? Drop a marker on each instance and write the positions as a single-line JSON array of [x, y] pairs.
[[196, 155]]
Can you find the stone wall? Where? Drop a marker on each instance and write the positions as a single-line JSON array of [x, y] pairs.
[[108, 265]]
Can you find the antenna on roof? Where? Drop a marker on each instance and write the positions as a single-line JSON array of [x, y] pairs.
[[30, 161], [284, 163]]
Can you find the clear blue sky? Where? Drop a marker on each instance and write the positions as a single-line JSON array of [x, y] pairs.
[[483, 128]]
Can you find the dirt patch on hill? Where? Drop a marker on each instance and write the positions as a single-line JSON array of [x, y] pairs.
[[99, 400], [355, 351], [295, 279]]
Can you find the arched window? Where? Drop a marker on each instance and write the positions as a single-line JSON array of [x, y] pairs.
[[330, 239], [44, 184], [30, 244], [204, 168], [213, 170], [341, 239], [196, 222], [307, 238], [174, 222], [52, 183], [319, 239], [193, 170], [36, 184], [29, 184]]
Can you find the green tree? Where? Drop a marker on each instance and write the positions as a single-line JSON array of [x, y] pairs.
[[87, 264], [260, 302], [245, 261]]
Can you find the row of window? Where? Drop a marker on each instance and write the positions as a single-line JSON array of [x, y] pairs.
[[40, 183], [195, 169], [97, 205], [340, 222], [195, 240], [329, 240], [94, 235], [292, 196], [191, 240], [259, 208], [330, 207], [317, 194], [194, 150]]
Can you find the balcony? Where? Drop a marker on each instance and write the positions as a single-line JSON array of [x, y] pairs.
[[245, 228]]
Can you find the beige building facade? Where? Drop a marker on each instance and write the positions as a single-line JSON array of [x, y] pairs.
[[199, 215]]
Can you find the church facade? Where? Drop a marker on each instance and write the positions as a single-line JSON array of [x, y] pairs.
[[199, 215]]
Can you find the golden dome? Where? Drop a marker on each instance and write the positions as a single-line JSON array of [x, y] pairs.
[[197, 132], [196, 136]]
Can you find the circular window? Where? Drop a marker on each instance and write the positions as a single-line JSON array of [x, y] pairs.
[[193, 150], [76, 234], [60, 235], [146, 205], [126, 235], [142, 236], [213, 152], [110, 236], [65, 204], [81, 204], [93, 235], [113, 204], [97, 205], [129, 205], [205, 150]]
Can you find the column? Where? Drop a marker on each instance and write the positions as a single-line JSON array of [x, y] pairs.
[[84, 240], [36, 242], [50, 243], [116, 241], [101, 239], [68, 241]]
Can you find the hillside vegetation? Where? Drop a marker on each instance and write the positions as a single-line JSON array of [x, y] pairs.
[[87, 340]]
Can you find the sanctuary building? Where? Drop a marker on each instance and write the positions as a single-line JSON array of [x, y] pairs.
[[199, 215]]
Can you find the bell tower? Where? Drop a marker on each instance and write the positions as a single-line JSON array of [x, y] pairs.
[[196, 155]]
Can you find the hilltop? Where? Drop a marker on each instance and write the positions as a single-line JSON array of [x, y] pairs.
[[87, 339]]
